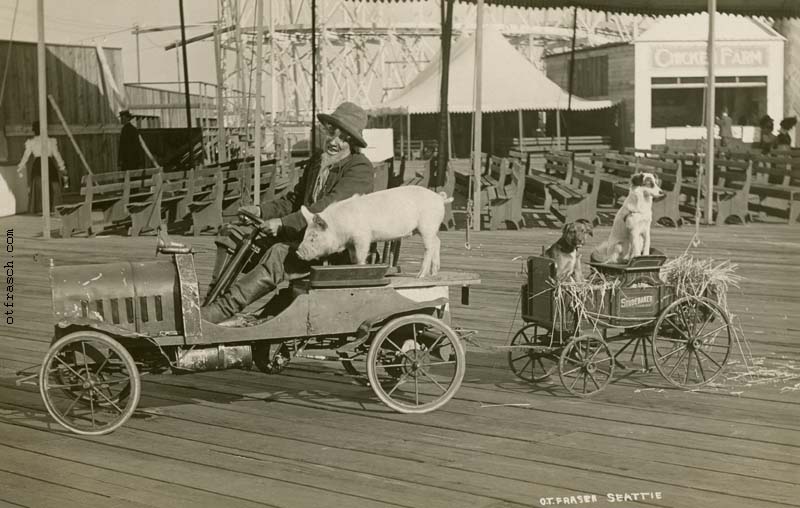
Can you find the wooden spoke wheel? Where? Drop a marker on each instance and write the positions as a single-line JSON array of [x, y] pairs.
[[416, 363], [89, 383], [586, 365], [534, 359], [692, 341]]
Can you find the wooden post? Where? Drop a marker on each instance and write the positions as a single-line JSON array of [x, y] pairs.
[[185, 74], [69, 134], [402, 138], [259, 59], [41, 54], [138, 55], [449, 139], [558, 127], [408, 133], [711, 96], [273, 92], [222, 145], [571, 73], [477, 119]]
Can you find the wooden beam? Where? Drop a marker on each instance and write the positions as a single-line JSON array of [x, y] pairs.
[[24, 130], [41, 57], [71, 138]]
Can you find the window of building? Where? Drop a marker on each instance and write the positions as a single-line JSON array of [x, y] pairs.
[[680, 102]]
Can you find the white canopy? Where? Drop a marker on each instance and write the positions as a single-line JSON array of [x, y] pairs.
[[510, 83]]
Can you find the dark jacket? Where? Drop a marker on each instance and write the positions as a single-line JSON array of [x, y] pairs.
[[353, 175], [130, 154]]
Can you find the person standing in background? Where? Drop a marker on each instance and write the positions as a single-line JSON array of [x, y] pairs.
[[767, 139], [57, 171], [783, 139], [130, 154], [725, 123]]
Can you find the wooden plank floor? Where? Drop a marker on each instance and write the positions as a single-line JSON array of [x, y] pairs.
[[312, 437]]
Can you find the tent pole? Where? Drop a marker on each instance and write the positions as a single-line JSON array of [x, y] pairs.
[[408, 133], [476, 119], [558, 127], [41, 54], [449, 138], [519, 118], [712, 10], [402, 139]]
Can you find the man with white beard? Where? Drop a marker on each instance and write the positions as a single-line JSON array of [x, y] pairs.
[[340, 172]]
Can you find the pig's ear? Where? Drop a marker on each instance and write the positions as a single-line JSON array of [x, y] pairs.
[[320, 222], [307, 215]]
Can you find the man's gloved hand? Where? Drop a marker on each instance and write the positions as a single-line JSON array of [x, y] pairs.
[[253, 209], [272, 226]]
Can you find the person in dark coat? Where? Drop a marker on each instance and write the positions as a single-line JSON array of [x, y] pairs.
[[130, 154], [56, 169], [338, 173], [783, 139]]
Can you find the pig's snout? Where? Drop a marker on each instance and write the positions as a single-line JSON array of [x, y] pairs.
[[303, 253]]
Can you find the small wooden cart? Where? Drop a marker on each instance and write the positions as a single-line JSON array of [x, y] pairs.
[[687, 338]]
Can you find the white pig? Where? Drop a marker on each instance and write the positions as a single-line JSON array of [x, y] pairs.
[[356, 222]]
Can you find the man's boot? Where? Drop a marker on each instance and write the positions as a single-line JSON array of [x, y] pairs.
[[249, 288]]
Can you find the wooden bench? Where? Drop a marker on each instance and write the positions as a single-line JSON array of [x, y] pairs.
[[167, 204], [533, 151], [570, 187], [776, 177], [420, 148], [502, 188], [219, 191], [618, 168], [106, 195], [214, 192], [730, 199]]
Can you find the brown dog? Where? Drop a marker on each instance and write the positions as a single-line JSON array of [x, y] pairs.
[[565, 251]]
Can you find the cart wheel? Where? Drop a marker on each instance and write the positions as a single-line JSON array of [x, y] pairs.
[[415, 364], [586, 365], [89, 383], [536, 359], [691, 341]]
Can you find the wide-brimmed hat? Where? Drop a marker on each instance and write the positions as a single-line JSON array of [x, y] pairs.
[[125, 112], [765, 121], [350, 118], [788, 123]]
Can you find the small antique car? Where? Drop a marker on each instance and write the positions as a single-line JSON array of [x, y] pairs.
[[115, 321]]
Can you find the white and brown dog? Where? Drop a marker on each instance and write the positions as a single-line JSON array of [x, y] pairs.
[[630, 234], [565, 251]]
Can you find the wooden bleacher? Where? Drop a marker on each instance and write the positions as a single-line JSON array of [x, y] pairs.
[[502, 189]]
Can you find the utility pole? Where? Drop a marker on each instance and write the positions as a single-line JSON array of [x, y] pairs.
[[185, 75], [259, 59]]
